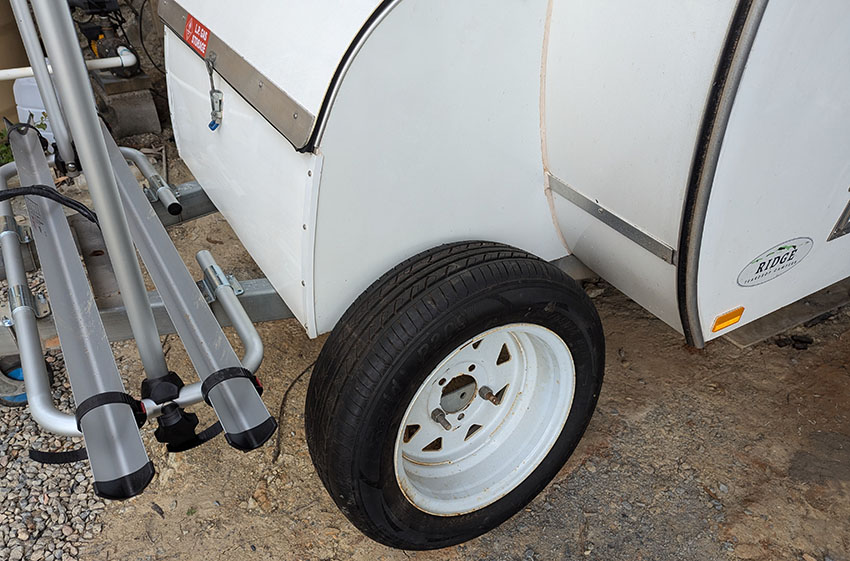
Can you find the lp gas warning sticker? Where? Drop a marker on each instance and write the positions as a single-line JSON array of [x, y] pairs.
[[775, 261]]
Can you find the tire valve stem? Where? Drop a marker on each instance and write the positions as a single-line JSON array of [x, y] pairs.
[[488, 394], [438, 416]]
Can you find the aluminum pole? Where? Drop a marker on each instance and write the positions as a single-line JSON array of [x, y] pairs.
[[36, 380], [29, 37], [72, 83]]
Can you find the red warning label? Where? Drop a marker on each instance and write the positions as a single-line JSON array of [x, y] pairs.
[[196, 34]]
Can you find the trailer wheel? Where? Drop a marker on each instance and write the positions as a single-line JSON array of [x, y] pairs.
[[452, 391]]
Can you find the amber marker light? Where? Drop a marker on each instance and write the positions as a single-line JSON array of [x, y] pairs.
[[729, 318]]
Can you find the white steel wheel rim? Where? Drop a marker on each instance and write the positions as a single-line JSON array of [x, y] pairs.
[[448, 472]]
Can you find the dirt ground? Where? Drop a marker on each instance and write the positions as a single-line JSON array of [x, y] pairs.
[[699, 455], [720, 454]]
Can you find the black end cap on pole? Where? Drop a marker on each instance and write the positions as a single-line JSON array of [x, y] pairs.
[[252, 439], [175, 209], [126, 486]]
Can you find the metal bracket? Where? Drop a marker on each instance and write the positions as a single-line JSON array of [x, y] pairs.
[[841, 227], [19, 296], [11, 225], [159, 190], [214, 277]]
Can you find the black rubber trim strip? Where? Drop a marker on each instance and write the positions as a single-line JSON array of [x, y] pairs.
[[127, 486], [225, 374], [343, 62], [707, 128], [252, 439], [106, 398]]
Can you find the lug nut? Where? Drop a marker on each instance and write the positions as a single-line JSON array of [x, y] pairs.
[[438, 416], [488, 394]]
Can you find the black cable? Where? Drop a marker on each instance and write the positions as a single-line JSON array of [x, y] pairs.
[[282, 412], [53, 195], [142, 37]]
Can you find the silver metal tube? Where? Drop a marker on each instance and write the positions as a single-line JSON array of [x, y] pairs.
[[117, 455], [243, 415], [238, 317], [163, 191], [72, 83], [36, 380], [29, 36], [189, 395], [244, 328], [140, 160]]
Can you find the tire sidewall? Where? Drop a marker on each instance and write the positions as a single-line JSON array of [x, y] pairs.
[[561, 308]]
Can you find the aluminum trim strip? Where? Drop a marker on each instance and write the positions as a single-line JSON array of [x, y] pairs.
[[638, 236], [282, 112]]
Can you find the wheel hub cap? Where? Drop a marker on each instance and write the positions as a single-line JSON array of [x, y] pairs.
[[484, 419]]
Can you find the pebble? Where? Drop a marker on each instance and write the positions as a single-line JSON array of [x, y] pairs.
[[55, 503]]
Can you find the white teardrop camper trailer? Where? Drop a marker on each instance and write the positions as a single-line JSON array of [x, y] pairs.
[[425, 180]]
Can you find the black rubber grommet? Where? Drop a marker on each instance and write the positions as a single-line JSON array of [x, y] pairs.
[[175, 209], [127, 486], [252, 439]]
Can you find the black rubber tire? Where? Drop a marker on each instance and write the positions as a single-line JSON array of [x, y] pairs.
[[393, 336]]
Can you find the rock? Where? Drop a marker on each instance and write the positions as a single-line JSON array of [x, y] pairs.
[[807, 557], [261, 497], [595, 291], [16, 554], [722, 488]]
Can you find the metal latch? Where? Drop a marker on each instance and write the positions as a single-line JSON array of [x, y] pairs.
[[216, 96]]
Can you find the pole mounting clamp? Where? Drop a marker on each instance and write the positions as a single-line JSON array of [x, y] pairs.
[[214, 278]]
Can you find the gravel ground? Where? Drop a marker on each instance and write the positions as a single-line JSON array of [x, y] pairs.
[[720, 454], [46, 511]]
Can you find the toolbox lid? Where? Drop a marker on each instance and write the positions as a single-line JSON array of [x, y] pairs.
[[280, 55]]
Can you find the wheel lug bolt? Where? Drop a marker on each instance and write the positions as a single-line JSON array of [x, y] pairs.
[[438, 416], [488, 394]]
